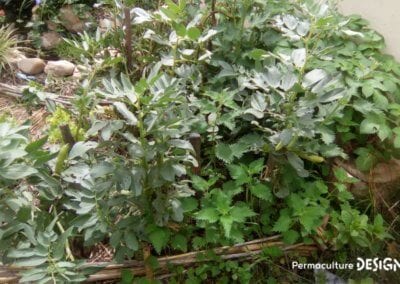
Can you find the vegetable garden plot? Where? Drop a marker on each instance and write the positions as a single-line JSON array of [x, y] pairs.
[[193, 126]]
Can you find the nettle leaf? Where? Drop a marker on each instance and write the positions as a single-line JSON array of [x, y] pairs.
[[375, 123], [200, 183], [290, 236], [241, 213], [239, 149], [159, 238], [239, 174], [224, 153], [256, 166], [179, 242], [366, 159], [327, 135], [262, 191], [208, 214], [312, 217], [226, 222], [283, 223]]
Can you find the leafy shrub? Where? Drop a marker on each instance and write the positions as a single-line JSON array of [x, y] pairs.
[[277, 90]]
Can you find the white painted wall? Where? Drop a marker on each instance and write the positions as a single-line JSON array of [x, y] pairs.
[[384, 17]]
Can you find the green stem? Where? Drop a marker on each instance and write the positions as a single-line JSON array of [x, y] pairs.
[[62, 230]]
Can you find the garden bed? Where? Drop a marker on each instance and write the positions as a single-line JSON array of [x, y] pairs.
[[171, 139]]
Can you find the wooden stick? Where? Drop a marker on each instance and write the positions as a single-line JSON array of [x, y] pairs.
[[128, 38], [146, 258]]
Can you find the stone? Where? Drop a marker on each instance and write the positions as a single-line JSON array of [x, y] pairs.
[[60, 68], [50, 40], [31, 66], [51, 26], [70, 20], [105, 25]]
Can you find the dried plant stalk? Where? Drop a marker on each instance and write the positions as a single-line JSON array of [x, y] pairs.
[[245, 251]]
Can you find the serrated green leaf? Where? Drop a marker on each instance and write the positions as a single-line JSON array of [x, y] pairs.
[[239, 174], [290, 236], [200, 183], [256, 166], [240, 213], [208, 214], [238, 149], [179, 242], [262, 191], [226, 222], [273, 251], [159, 238], [375, 123], [327, 135], [311, 217], [224, 153], [189, 204], [365, 160], [283, 223]]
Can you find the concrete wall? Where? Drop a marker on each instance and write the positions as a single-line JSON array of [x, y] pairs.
[[383, 15]]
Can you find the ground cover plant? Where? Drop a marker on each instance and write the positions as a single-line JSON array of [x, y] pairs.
[[200, 124]]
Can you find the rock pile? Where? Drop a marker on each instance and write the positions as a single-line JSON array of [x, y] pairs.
[[35, 66]]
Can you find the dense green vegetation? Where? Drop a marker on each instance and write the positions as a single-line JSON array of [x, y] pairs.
[[276, 90]]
